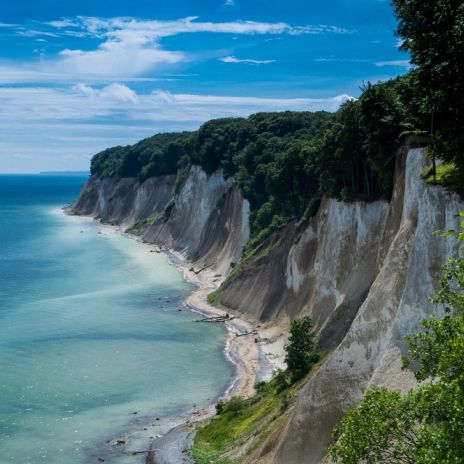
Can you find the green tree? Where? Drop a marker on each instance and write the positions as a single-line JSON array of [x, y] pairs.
[[433, 32], [426, 425], [301, 351]]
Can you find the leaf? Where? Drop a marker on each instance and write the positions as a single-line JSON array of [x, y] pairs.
[[447, 234], [461, 214], [435, 232], [461, 237]]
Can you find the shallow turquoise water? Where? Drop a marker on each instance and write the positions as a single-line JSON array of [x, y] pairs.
[[90, 331]]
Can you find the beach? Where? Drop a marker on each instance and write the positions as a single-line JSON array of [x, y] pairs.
[[256, 351]]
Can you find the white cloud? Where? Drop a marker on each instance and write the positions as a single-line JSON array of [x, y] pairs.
[[115, 58], [233, 59], [341, 60], [113, 91], [35, 33], [397, 63], [229, 3], [62, 23]]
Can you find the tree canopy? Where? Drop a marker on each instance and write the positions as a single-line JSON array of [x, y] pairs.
[[301, 351], [433, 33]]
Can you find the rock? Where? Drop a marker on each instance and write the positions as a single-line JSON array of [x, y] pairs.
[[121, 441], [100, 459]]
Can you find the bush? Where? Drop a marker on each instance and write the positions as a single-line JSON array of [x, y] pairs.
[[233, 406]]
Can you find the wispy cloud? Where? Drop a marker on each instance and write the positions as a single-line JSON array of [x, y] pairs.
[[85, 102], [229, 3], [130, 47], [233, 59], [397, 63], [342, 60]]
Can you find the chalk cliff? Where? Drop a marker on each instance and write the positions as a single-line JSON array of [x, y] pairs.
[[363, 271]]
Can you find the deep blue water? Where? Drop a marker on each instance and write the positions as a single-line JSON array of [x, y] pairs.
[[90, 332]]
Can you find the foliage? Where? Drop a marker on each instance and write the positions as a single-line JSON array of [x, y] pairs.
[[143, 224], [424, 426], [301, 351], [154, 156], [355, 155], [447, 175], [433, 32], [239, 420], [234, 421], [214, 297]]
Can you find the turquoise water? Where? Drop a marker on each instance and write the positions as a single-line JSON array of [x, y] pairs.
[[90, 332]]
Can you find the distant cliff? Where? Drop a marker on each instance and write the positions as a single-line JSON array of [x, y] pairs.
[[363, 271]]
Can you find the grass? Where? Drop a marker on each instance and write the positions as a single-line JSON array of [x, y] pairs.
[[234, 425], [443, 172], [448, 175], [139, 226], [241, 425], [214, 297]]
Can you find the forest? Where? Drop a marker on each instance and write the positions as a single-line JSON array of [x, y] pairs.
[[286, 162]]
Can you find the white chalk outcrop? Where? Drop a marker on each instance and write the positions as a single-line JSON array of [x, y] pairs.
[[124, 201]]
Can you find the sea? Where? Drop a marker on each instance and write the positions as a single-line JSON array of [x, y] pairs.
[[96, 344]]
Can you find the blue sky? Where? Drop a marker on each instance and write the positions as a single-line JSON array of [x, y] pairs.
[[78, 76]]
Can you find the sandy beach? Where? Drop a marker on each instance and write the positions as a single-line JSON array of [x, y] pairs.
[[254, 350]]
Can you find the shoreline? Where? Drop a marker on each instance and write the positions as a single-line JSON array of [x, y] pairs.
[[255, 354], [246, 353]]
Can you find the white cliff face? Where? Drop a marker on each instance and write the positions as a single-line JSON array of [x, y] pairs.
[[124, 201], [342, 245], [196, 202], [208, 222], [396, 303]]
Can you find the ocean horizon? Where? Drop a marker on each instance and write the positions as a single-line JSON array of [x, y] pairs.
[[95, 339]]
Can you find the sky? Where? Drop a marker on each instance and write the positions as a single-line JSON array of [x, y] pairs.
[[79, 76]]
